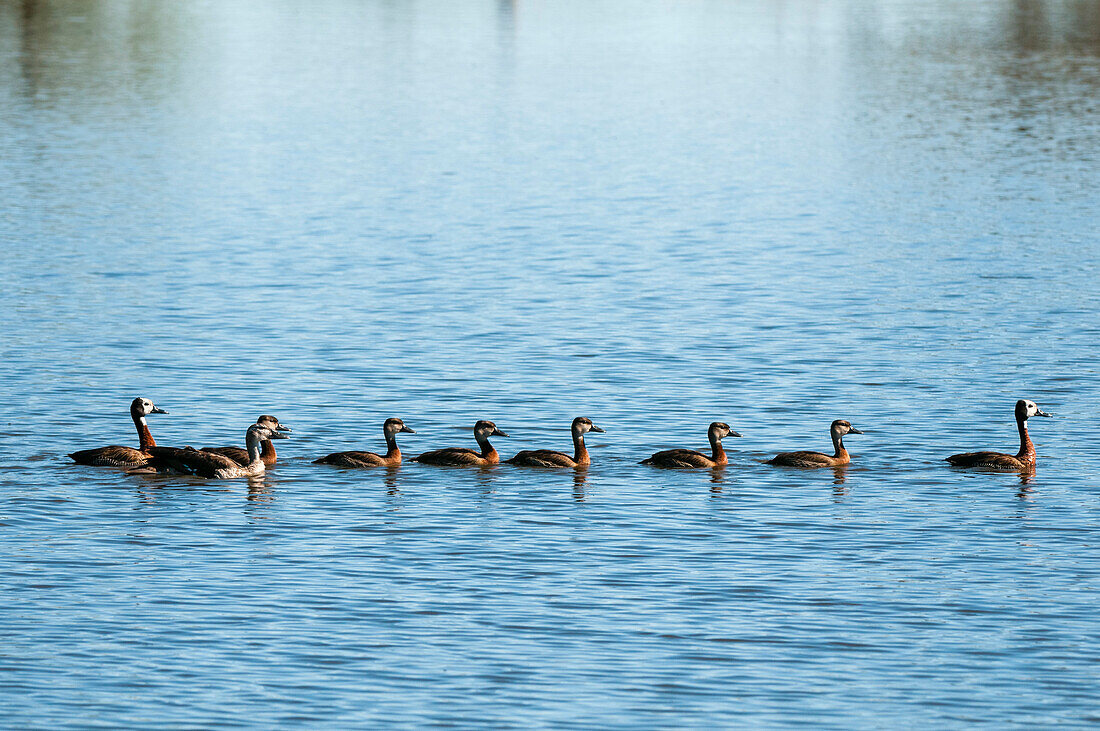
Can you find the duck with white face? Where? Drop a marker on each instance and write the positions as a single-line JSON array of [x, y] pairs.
[[691, 459], [840, 457], [267, 449], [461, 457], [120, 456], [390, 429], [550, 458], [188, 461], [1023, 460]]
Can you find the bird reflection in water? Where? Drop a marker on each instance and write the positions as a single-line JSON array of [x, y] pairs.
[[390, 481], [485, 477], [840, 477], [148, 492], [259, 490], [580, 482], [1027, 479], [717, 479]]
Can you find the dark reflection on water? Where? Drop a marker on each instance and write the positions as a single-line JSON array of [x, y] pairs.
[[657, 215]]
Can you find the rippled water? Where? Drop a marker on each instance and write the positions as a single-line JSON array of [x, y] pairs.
[[654, 214]]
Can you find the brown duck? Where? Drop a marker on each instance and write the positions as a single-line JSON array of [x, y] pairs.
[[390, 429], [549, 458], [189, 461], [840, 457], [459, 457], [119, 456], [1023, 460], [691, 459], [267, 449]]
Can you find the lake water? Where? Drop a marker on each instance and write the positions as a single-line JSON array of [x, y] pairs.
[[654, 214]]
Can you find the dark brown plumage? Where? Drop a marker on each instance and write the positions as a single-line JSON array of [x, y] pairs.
[[267, 449], [837, 430], [390, 429], [189, 461], [1022, 461], [460, 457], [550, 458], [691, 459], [120, 456]]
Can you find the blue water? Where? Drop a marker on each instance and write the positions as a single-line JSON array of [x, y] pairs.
[[654, 214]]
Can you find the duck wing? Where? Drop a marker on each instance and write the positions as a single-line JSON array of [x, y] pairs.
[[800, 459], [541, 458], [352, 459], [112, 456], [674, 458], [237, 454], [449, 456], [189, 461], [991, 460]]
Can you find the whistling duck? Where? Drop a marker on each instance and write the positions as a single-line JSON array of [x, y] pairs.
[[550, 458], [689, 458], [118, 456], [267, 449], [817, 459], [189, 461], [458, 456], [390, 429], [1024, 459]]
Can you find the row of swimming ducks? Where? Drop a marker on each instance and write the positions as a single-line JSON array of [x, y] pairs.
[[259, 453]]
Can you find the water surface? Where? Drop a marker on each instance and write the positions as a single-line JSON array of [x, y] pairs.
[[656, 215]]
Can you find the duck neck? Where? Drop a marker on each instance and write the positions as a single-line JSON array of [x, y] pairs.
[[1027, 449], [253, 444], [838, 445], [718, 454], [145, 437], [580, 452], [488, 452], [391, 445], [267, 451]]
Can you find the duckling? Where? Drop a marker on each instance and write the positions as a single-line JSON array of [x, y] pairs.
[[689, 458], [1024, 459], [458, 456], [390, 429], [550, 458], [119, 456], [837, 430], [189, 461], [267, 450]]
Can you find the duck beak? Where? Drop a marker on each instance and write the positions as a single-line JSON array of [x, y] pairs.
[[498, 433], [853, 430], [278, 435], [158, 410], [407, 429], [733, 434], [1042, 413], [596, 429], [280, 427]]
